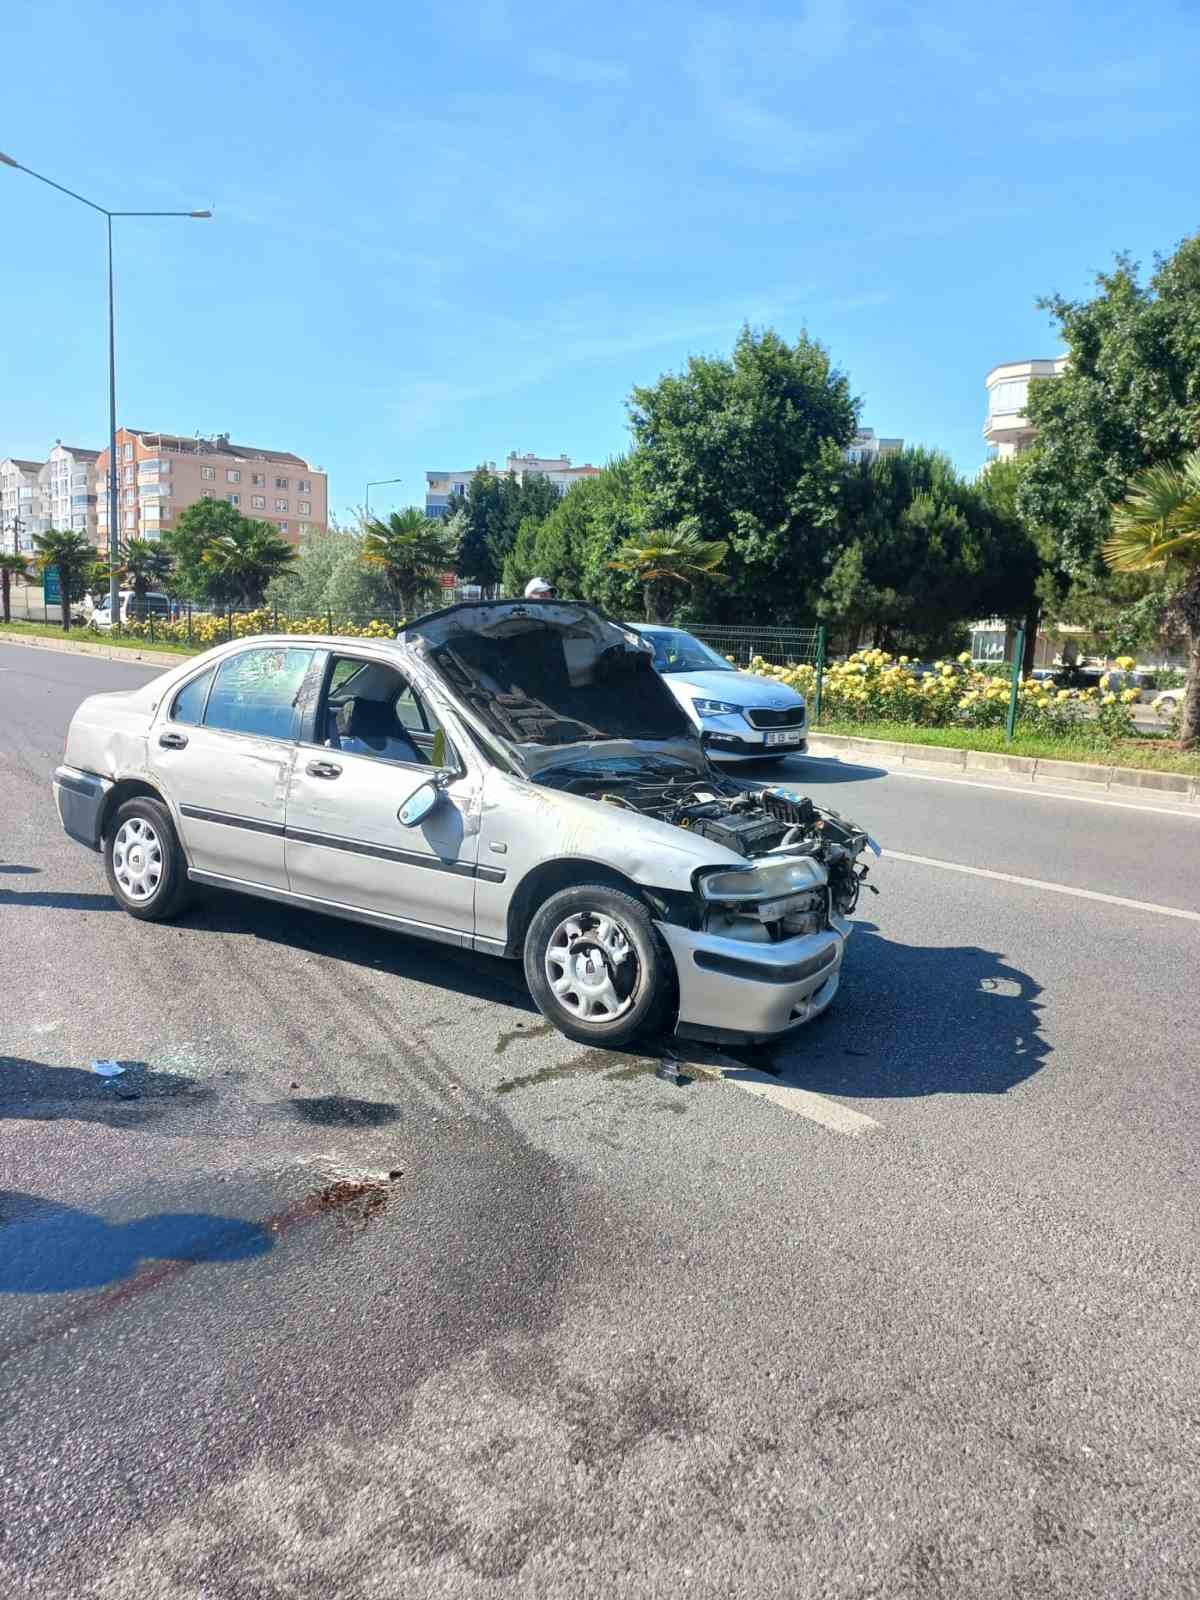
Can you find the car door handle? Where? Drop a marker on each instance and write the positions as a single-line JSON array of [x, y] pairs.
[[173, 741], [323, 769]]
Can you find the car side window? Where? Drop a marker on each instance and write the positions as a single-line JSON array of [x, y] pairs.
[[256, 692], [188, 705], [372, 710]]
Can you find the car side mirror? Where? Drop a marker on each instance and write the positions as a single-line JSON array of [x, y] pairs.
[[419, 804]]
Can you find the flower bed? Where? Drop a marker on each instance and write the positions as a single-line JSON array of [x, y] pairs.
[[206, 630], [874, 687]]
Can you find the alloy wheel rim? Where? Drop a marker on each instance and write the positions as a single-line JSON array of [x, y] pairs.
[[592, 967], [137, 859]]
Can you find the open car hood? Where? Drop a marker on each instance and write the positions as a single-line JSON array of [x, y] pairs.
[[554, 681]]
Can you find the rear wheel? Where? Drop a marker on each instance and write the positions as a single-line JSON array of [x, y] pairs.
[[145, 866], [596, 966]]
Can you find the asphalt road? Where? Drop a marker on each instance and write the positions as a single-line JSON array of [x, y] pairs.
[[358, 1282]]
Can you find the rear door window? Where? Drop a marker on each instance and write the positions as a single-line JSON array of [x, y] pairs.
[[257, 692]]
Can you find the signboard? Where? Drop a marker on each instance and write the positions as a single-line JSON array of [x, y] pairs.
[[51, 588]]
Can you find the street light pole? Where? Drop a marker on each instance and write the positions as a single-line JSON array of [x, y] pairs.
[[377, 483], [114, 537]]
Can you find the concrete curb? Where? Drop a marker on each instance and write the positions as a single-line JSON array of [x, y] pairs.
[[1129, 780], [106, 652]]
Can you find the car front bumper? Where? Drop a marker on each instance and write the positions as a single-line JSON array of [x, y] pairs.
[[738, 991], [79, 798], [735, 747]]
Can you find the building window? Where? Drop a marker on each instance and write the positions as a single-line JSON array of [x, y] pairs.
[[283, 528], [206, 494], [259, 502], [281, 483], [460, 488], [130, 497], [208, 472], [259, 480], [304, 485], [304, 507], [234, 499], [128, 474], [303, 528], [281, 505], [233, 475], [130, 521], [128, 454]]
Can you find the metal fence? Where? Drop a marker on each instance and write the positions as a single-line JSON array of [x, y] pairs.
[[782, 647]]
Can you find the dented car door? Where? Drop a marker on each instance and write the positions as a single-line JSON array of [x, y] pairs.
[[222, 751]]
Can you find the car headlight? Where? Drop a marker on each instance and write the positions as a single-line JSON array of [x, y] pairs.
[[770, 880], [713, 708]]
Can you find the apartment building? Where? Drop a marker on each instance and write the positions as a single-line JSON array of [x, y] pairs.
[[1007, 429], [67, 490], [439, 486], [161, 474], [867, 446], [20, 504]]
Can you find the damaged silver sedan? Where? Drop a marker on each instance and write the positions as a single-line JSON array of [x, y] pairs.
[[505, 777]]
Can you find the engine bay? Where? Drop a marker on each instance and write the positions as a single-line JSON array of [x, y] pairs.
[[752, 822]]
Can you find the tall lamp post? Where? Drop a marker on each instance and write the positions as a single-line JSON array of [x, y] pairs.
[[114, 537], [378, 483]]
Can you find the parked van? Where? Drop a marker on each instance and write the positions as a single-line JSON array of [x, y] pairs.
[[156, 607]]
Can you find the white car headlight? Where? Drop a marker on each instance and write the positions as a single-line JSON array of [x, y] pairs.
[[769, 880], [713, 708]]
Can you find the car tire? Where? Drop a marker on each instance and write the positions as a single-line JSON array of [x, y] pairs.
[[596, 965], [145, 867]]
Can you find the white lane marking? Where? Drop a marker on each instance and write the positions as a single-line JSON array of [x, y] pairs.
[[1024, 787], [1041, 883], [829, 1113]]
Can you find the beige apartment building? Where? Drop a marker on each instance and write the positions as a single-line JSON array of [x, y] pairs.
[[35, 496], [20, 503], [161, 474]]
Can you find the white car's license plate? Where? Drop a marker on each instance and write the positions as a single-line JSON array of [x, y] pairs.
[[783, 738]]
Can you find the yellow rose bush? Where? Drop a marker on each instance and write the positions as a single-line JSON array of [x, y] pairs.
[[871, 686], [213, 629]]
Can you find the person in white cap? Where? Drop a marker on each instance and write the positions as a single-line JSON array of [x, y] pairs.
[[539, 589]]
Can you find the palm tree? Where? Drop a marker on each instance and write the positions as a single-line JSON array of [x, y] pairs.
[[670, 557], [412, 550], [11, 566], [241, 563], [145, 563], [1156, 528], [72, 554]]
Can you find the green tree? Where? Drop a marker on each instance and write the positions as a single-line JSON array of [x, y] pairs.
[[73, 554], [751, 447], [1128, 399], [670, 559], [917, 552], [12, 566], [411, 550], [195, 529], [493, 509], [329, 574], [237, 566], [145, 564], [1156, 528]]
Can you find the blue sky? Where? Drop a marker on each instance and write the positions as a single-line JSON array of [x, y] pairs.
[[445, 232]]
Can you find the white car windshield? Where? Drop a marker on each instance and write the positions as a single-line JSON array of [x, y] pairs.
[[676, 651]]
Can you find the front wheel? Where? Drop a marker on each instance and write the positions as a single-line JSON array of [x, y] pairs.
[[596, 966]]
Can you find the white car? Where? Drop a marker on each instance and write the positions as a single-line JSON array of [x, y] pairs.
[[156, 605], [740, 717]]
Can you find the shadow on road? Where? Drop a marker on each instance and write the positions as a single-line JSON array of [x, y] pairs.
[[13, 868], [57, 902], [462, 972], [34, 1091], [50, 1248], [802, 772], [920, 1020]]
